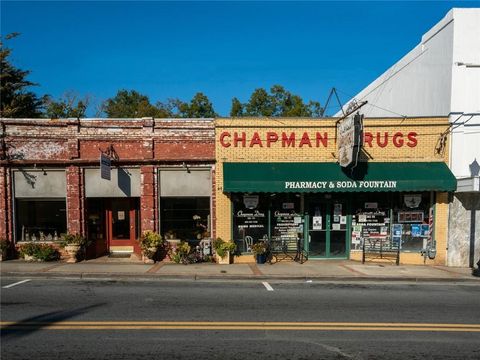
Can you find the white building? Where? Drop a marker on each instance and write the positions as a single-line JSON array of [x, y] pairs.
[[441, 77]]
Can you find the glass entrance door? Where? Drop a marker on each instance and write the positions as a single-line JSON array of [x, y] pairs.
[[121, 222], [328, 229]]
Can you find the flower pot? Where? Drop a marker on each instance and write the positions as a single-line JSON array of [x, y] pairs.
[[149, 255], [28, 258], [72, 251], [224, 260], [261, 258]]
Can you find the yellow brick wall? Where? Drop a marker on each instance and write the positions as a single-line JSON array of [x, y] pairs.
[[428, 132]]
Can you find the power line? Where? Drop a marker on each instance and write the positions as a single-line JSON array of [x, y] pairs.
[[372, 104]]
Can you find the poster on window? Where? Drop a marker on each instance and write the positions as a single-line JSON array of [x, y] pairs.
[[416, 230], [250, 201], [317, 223], [425, 230]]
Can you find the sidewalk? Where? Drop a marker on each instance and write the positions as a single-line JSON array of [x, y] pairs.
[[320, 270]]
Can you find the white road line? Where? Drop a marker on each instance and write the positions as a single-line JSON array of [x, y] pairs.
[[267, 285], [17, 283]]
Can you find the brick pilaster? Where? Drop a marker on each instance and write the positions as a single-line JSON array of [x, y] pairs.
[[148, 199], [74, 200]]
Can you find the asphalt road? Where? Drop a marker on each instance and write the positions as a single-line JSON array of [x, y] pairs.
[[99, 319]]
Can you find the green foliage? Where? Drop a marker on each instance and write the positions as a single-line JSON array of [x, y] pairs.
[[39, 251], [222, 247], [200, 107], [68, 106], [4, 245], [132, 104], [150, 239], [279, 103], [259, 248], [237, 108], [15, 100], [181, 253], [74, 239]]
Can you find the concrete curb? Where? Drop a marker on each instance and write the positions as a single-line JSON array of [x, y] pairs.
[[227, 277]]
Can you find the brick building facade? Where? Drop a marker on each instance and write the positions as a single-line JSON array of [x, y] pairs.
[[243, 180], [280, 179], [50, 181]]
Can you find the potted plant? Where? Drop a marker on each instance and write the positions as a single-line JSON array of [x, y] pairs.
[[260, 249], [4, 245], [150, 242], [38, 251], [224, 250], [73, 243], [181, 252]]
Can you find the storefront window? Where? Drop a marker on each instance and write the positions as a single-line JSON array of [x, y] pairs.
[[254, 213], [250, 219], [396, 218], [40, 220], [411, 219], [185, 218], [285, 210]]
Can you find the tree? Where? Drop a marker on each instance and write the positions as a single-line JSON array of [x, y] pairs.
[[259, 104], [15, 99], [279, 103], [237, 108], [66, 107], [200, 107], [131, 104]]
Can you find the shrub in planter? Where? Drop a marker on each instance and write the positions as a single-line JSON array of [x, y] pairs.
[[260, 249], [224, 249], [150, 242], [38, 251], [181, 253], [4, 246], [73, 244]]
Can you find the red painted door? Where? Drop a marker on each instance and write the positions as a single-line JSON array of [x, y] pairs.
[[121, 222]]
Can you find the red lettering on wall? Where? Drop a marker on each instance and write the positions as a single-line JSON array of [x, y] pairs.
[[412, 137], [288, 140], [385, 140], [322, 139], [237, 139], [271, 138], [305, 140], [256, 140], [223, 135], [367, 138], [398, 139]]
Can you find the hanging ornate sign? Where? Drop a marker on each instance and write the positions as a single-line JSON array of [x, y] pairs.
[[349, 141], [412, 200]]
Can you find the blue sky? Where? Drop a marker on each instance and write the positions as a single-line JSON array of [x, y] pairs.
[[223, 49]]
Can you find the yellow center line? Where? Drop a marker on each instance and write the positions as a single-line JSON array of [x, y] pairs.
[[215, 325]]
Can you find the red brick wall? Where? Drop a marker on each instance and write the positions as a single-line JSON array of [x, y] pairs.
[[75, 210], [5, 204], [148, 199], [72, 144]]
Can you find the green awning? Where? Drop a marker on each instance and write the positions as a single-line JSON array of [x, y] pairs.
[[330, 177]]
